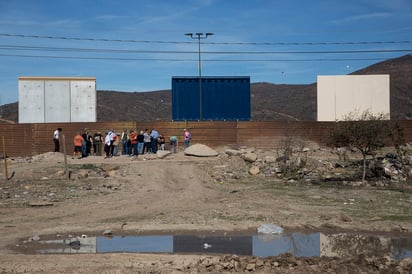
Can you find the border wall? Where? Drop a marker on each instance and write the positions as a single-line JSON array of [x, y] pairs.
[[32, 139]]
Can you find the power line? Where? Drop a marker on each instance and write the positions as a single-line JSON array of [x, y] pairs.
[[38, 48], [211, 43], [187, 60]]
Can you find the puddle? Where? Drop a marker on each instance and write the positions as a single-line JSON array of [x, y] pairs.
[[298, 244]]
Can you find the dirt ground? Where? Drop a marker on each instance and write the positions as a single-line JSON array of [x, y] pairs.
[[183, 193]]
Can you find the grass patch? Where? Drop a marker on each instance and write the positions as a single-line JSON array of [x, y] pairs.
[[236, 218], [228, 217], [88, 166], [397, 218], [84, 166]]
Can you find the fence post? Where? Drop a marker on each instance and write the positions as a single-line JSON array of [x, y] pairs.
[[65, 159], [6, 173]]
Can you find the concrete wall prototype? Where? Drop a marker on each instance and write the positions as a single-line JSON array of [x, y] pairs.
[[343, 94], [57, 99]]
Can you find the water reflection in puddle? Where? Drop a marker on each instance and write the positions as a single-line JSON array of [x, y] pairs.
[[298, 244]]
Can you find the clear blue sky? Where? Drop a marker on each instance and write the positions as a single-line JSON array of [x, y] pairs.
[[138, 45]]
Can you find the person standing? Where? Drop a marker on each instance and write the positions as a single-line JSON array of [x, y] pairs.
[[133, 140], [147, 142], [111, 139], [125, 140], [188, 137], [140, 142], [97, 143], [89, 144], [77, 142], [153, 137], [84, 144], [116, 142], [56, 140], [107, 144], [161, 141]]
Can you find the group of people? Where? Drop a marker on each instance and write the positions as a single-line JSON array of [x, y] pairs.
[[132, 143], [148, 141], [84, 142]]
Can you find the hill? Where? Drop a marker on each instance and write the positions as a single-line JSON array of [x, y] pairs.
[[400, 71], [268, 101]]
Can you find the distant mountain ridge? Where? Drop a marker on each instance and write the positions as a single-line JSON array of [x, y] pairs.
[[268, 101]]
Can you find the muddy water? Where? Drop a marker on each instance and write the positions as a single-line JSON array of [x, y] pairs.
[[261, 245]]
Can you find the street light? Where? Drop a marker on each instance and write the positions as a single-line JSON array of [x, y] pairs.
[[198, 36]]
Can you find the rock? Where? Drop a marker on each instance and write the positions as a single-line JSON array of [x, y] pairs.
[[357, 184], [111, 173], [345, 218], [251, 267], [254, 170], [406, 263], [107, 232], [200, 150], [249, 157], [35, 238], [391, 171], [83, 174], [269, 159], [74, 243], [163, 153], [233, 152], [60, 173], [277, 170], [298, 161]]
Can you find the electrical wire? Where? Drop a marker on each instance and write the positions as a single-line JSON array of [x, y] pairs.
[[209, 42], [16, 47], [190, 60]]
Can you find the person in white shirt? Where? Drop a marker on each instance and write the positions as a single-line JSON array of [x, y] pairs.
[[56, 141]]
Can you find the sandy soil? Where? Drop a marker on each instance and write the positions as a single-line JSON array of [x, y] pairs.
[[181, 193]]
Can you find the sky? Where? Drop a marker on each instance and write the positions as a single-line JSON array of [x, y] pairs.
[[139, 45]]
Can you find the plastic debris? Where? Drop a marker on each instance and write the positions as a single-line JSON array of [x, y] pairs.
[[269, 229]]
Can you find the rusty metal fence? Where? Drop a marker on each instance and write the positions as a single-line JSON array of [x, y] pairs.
[[33, 139]]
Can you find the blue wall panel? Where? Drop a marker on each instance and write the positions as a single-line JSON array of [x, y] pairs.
[[223, 98]]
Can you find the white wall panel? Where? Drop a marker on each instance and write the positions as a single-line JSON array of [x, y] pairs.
[[327, 110], [344, 102], [83, 98], [31, 101], [57, 101], [340, 95]]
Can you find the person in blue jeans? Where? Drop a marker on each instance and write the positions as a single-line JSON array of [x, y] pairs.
[[140, 142], [153, 137]]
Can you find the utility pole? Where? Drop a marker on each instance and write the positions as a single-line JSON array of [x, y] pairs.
[[199, 36]]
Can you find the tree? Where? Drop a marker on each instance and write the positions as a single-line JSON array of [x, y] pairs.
[[366, 133]]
